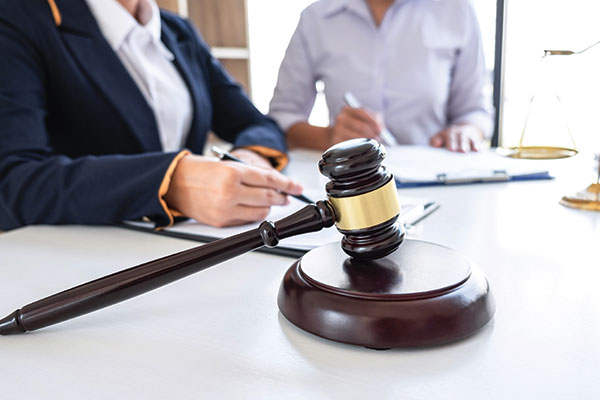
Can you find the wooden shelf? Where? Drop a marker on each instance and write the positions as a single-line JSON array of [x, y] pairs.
[[223, 25]]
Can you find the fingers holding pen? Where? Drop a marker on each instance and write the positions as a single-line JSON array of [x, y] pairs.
[[354, 123], [252, 158], [361, 119], [226, 193], [269, 179]]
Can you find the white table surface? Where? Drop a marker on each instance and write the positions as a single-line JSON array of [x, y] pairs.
[[219, 333]]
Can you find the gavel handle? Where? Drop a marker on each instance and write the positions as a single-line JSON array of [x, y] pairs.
[[123, 285]]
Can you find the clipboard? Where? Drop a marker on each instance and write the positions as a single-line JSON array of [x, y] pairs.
[[472, 177]]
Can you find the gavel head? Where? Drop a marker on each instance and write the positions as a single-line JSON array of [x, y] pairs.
[[363, 196]]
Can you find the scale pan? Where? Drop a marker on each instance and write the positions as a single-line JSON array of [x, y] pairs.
[[536, 152]]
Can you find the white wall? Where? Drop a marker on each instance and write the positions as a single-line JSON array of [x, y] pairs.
[[271, 24]]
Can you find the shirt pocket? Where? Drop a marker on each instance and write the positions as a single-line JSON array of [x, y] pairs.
[[441, 37]]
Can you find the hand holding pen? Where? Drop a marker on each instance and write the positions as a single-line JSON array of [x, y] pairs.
[[354, 121], [224, 194], [225, 156]]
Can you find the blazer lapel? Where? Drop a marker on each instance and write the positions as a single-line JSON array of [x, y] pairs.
[[102, 66], [182, 49]]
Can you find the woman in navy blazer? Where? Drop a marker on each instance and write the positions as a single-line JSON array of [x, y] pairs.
[[79, 143]]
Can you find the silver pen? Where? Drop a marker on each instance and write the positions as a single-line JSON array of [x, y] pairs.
[[386, 136], [417, 214]]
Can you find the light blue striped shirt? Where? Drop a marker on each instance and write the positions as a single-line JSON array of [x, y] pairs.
[[423, 67]]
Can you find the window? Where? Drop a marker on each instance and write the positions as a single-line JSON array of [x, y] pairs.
[[533, 26]]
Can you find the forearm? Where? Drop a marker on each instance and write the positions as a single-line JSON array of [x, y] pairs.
[[302, 134], [87, 190]]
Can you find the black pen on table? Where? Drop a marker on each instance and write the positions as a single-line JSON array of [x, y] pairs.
[[225, 156]]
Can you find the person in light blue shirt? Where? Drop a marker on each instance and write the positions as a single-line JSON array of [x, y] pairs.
[[417, 67]]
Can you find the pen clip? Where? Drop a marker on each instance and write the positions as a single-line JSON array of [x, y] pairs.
[[218, 152]]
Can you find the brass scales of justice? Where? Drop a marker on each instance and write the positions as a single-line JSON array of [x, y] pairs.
[[377, 289]]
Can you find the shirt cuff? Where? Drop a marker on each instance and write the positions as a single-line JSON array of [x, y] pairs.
[[278, 159], [164, 188], [286, 120]]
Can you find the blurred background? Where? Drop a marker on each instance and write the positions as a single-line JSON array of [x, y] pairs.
[[250, 38]]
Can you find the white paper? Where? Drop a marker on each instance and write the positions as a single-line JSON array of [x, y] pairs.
[[419, 164]]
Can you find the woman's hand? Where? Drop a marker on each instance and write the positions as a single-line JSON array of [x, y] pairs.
[[461, 138], [353, 123], [252, 158], [222, 193]]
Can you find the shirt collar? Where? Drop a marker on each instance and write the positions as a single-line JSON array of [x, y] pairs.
[[356, 6], [154, 23], [116, 23], [337, 6]]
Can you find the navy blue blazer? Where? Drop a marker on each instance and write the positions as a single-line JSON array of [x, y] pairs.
[[78, 142]]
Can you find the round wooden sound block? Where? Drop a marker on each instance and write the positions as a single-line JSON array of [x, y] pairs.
[[423, 294]]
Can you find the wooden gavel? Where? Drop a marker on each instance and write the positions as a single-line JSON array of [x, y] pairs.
[[362, 202]]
